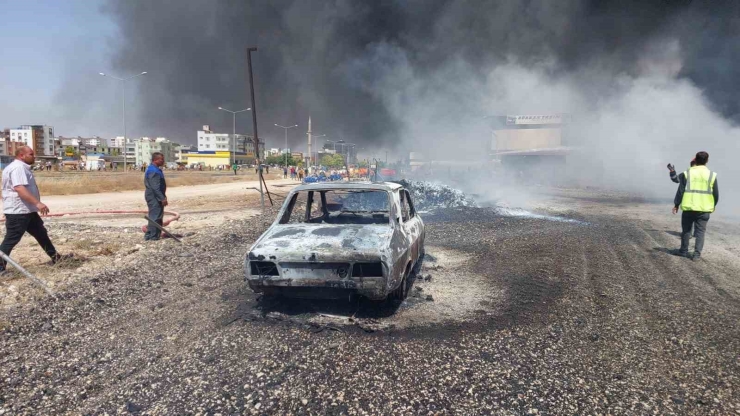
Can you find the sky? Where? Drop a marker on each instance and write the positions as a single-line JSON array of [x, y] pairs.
[[38, 40]]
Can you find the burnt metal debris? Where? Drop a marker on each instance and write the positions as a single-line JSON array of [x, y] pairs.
[[428, 195]]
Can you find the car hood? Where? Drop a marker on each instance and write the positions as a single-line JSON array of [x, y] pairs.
[[312, 242]]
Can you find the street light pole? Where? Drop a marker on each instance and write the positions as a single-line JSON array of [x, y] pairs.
[[286, 141], [233, 130], [317, 147], [123, 82]]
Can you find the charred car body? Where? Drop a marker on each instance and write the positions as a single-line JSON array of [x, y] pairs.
[[334, 239]]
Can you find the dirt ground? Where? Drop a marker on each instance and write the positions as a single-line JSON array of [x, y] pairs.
[[101, 241], [84, 182], [566, 303]]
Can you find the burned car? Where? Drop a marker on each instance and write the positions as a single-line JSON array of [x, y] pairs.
[[331, 240]]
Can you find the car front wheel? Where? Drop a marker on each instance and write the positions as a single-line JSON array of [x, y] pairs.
[[402, 290]]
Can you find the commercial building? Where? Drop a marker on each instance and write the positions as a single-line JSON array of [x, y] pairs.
[[532, 145], [209, 141], [144, 147], [40, 138], [183, 151], [214, 149]]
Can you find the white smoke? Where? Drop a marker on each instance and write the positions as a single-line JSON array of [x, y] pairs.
[[626, 127]]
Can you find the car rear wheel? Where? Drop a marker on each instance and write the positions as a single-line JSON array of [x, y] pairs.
[[402, 290]]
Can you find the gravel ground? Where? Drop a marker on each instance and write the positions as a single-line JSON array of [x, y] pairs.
[[581, 317]]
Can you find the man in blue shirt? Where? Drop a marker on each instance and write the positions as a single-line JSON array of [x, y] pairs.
[[155, 195]]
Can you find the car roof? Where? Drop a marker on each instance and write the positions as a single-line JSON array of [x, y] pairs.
[[379, 186]]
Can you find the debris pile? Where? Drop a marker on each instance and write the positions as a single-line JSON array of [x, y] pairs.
[[428, 196]]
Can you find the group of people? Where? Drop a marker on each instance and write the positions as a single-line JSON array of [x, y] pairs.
[[296, 174], [697, 196]]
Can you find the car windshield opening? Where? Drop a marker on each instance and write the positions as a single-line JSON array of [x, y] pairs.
[[338, 206]]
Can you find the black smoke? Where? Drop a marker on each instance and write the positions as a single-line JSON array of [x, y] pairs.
[[321, 57]]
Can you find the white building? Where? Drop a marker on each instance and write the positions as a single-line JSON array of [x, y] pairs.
[[116, 141], [37, 137], [94, 142], [209, 141], [144, 147]]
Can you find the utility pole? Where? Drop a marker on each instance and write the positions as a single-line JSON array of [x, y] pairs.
[[233, 129], [286, 140], [256, 139], [308, 163], [123, 82]]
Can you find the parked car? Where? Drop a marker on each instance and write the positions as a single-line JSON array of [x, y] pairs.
[[331, 240]]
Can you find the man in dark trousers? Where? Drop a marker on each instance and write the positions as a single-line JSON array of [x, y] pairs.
[[680, 178], [697, 197], [22, 205], [155, 195]]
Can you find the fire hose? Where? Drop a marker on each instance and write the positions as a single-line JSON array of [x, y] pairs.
[[174, 215]]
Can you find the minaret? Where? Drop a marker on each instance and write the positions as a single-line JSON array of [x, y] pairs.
[[309, 142]]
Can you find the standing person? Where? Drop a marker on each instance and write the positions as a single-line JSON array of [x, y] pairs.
[[285, 172], [681, 177], [22, 205], [155, 195], [697, 197], [292, 172], [234, 167], [300, 174]]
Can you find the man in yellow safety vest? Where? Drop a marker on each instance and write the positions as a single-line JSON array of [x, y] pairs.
[[696, 197]]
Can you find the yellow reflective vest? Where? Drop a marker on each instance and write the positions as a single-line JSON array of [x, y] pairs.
[[698, 195]]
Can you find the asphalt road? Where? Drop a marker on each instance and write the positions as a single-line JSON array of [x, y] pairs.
[[589, 316]]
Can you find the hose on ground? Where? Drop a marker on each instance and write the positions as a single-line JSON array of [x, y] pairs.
[[174, 215]]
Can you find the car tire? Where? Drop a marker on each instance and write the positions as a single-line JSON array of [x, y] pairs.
[[402, 290]]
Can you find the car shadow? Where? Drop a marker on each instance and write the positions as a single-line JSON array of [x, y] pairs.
[[354, 306]]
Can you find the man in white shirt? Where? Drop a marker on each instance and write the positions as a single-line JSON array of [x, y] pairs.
[[22, 205]]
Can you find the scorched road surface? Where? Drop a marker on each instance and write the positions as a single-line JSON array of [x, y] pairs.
[[583, 317]]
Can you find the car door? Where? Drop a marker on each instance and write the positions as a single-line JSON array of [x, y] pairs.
[[418, 225], [411, 224]]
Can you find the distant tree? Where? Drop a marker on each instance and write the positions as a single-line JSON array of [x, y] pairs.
[[70, 149], [333, 161], [280, 160]]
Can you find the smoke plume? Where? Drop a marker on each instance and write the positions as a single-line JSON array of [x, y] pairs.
[[648, 82]]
